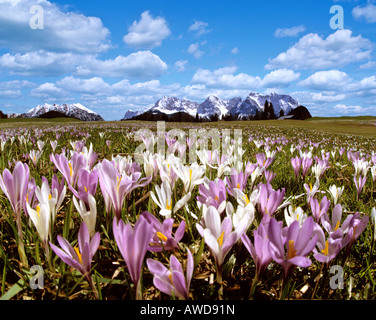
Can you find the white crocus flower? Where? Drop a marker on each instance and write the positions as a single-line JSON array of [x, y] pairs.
[[335, 193], [242, 216], [88, 216], [373, 219], [163, 199], [292, 215], [361, 167], [41, 217], [190, 175], [34, 156]]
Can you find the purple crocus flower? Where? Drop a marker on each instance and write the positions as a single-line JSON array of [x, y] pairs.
[[133, 244], [15, 187], [115, 186], [296, 164], [269, 200], [69, 168], [306, 165], [336, 225], [290, 245], [213, 195], [318, 209], [263, 161], [162, 238], [260, 250], [173, 281], [326, 248], [269, 176], [87, 182], [359, 183], [236, 181], [79, 257], [356, 227]]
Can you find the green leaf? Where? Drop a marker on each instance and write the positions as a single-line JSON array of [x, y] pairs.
[[16, 288], [198, 255]]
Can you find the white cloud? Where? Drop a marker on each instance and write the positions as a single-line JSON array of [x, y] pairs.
[[194, 49], [326, 80], [235, 50], [280, 78], [179, 65], [344, 109], [199, 27], [289, 32], [314, 52], [226, 78], [142, 65], [368, 65], [148, 33], [63, 31], [368, 13], [48, 91]]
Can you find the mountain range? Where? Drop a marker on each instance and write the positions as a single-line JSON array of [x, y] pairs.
[[252, 107], [74, 110]]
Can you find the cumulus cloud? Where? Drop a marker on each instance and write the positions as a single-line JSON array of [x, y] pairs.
[[199, 27], [368, 13], [194, 49], [289, 32], [226, 78], [67, 31], [179, 65], [142, 65], [147, 33], [326, 80], [314, 52]]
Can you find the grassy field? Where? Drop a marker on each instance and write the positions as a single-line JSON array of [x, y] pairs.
[[269, 148]]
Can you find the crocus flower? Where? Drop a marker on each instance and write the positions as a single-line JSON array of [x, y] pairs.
[[133, 244], [263, 161], [311, 190], [79, 257], [356, 227], [237, 180], [69, 168], [326, 248], [260, 250], [291, 245], [214, 194], [306, 165], [319, 208], [359, 183], [218, 236], [296, 164], [191, 175], [162, 238], [269, 200], [172, 281], [34, 156], [88, 212], [294, 214], [87, 182], [335, 193], [242, 215], [15, 188], [336, 223], [115, 186]]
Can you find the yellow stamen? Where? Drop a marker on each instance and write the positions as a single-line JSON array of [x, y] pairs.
[[238, 186], [310, 187], [85, 189], [35, 159], [168, 206], [246, 199], [27, 197], [291, 252], [119, 181], [190, 174], [326, 249], [49, 196], [216, 198], [170, 277], [337, 226], [78, 254], [161, 236], [38, 211], [70, 169], [220, 239]]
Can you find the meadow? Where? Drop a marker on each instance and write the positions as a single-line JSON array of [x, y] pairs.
[[285, 213]]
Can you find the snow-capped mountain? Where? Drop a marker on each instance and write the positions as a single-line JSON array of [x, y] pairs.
[[130, 114], [235, 107], [75, 110], [170, 105]]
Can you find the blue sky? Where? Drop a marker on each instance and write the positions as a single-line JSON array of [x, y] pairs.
[[112, 56]]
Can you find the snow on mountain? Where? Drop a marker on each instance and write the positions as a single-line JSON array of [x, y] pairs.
[[130, 114], [256, 101], [170, 105], [75, 110], [213, 105]]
